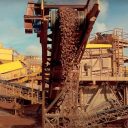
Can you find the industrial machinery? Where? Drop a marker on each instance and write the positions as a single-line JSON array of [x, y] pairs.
[[103, 79], [20, 85], [83, 85], [15, 66], [20, 78], [63, 31]]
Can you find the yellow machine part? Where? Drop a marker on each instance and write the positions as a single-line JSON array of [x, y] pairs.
[[16, 74], [6, 54], [93, 46], [11, 66]]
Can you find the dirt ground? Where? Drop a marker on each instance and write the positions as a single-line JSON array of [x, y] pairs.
[[8, 121], [28, 120]]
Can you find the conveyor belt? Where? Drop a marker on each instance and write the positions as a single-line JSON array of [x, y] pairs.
[[17, 90]]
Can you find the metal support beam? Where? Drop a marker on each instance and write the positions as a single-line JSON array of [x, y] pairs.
[[90, 20], [113, 92], [56, 99], [126, 95], [53, 6], [43, 41], [98, 91]]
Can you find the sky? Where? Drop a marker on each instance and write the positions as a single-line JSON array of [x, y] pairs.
[[114, 13], [12, 33]]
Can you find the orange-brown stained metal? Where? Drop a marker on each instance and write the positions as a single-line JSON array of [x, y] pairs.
[[28, 24], [43, 41], [90, 20]]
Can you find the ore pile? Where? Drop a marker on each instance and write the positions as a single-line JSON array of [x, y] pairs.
[[69, 33], [69, 37]]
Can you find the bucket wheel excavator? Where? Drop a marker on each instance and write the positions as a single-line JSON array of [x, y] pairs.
[[63, 31]]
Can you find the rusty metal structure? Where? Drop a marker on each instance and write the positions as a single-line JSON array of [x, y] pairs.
[[81, 87], [103, 79], [65, 28]]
